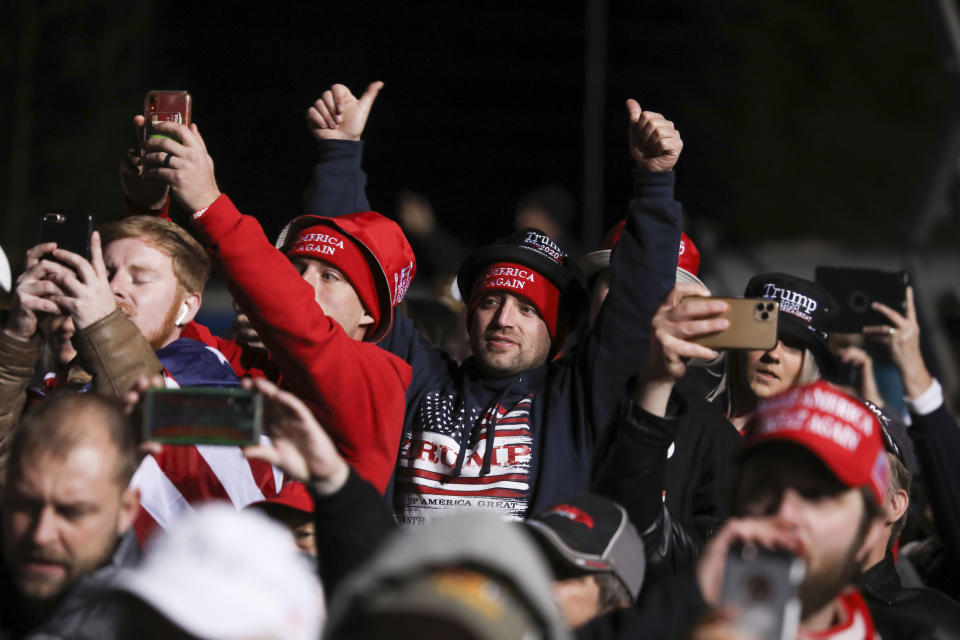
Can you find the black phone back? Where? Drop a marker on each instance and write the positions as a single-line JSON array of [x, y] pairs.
[[69, 229], [855, 289]]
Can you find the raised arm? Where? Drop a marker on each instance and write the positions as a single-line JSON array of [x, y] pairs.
[[934, 432], [337, 120], [354, 389], [642, 267], [630, 466]]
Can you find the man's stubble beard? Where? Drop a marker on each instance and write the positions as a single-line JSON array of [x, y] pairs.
[[818, 590], [168, 326]]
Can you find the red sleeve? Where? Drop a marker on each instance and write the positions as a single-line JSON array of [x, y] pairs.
[[355, 389]]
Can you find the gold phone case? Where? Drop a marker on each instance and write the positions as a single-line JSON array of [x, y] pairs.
[[753, 325]]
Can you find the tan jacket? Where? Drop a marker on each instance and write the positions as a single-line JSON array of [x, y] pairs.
[[111, 351]]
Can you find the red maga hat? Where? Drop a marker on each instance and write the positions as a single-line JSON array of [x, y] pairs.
[[835, 427], [369, 249]]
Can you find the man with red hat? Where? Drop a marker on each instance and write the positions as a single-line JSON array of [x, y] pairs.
[[813, 474], [320, 302], [511, 430]]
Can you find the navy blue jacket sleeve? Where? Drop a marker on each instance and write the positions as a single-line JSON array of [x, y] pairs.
[[643, 270], [337, 185], [337, 188], [936, 438]]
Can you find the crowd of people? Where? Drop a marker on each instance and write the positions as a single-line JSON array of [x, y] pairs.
[[533, 446]]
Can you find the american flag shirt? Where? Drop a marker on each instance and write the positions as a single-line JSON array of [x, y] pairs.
[[465, 458]]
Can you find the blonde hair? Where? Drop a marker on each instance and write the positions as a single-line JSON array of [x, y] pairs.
[[191, 266], [809, 372]]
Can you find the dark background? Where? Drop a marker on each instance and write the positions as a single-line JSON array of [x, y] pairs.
[[809, 119]]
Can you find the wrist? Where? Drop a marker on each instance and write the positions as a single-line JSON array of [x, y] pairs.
[[89, 318], [653, 396], [916, 383], [202, 201], [916, 378], [18, 334], [329, 481]]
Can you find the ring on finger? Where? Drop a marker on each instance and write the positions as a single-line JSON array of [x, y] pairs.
[[166, 161], [891, 331]]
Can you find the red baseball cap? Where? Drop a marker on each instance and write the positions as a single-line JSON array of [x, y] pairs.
[[834, 426], [370, 249], [688, 259], [293, 494]]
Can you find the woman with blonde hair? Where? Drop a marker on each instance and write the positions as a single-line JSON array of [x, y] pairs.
[[800, 356]]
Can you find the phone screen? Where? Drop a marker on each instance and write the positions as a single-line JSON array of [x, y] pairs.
[[202, 415]]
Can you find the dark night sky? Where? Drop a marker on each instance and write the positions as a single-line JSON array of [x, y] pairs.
[[798, 120]]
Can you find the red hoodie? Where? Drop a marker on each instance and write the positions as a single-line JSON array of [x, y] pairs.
[[355, 389]]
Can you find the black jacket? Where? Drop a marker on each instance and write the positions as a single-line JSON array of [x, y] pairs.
[[672, 474], [907, 613], [80, 605], [936, 440]]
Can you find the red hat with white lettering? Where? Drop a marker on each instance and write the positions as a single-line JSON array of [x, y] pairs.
[[834, 426], [371, 252], [688, 256]]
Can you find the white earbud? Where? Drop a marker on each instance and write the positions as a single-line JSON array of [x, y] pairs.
[[183, 313]]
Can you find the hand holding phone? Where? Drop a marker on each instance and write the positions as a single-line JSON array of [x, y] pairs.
[[298, 444], [70, 229], [855, 290]]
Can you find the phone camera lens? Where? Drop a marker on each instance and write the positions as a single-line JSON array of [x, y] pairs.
[[769, 306], [760, 306], [758, 588], [764, 315]]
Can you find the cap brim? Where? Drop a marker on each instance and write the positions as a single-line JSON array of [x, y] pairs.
[[799, 330], [595, 262], [684, 277], [753, 445]]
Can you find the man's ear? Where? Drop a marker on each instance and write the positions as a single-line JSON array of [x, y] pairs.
[[192, 303], [129, 508], [898, 506]]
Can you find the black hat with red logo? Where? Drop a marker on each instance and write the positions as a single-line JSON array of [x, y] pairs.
[[592, 534]]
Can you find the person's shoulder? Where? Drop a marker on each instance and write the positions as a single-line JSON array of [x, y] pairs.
[[930, 602]]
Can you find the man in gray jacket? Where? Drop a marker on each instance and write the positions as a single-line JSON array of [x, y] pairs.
[[67, 514]]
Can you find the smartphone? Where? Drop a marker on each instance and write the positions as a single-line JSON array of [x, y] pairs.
[[69, 229], [202, 415], [753, 324], [166, 106], [855, 289], [761, 586]]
